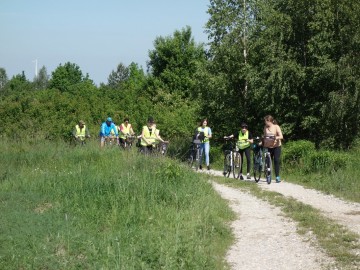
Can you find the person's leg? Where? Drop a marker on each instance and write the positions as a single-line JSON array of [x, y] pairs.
[[207, 154], [248, 162], [277, 154], [242, 160], [202, 152], [102, 141]]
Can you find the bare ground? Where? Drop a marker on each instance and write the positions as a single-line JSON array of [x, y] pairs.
[[265, 239]]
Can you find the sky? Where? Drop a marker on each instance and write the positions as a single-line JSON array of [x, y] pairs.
[[96, 35]]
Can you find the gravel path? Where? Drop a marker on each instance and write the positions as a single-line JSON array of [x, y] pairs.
[[267, 240]]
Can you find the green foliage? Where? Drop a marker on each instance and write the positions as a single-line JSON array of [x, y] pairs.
[[297, 151], [174, 61], [327, 160], [117, 78], [65, 76]]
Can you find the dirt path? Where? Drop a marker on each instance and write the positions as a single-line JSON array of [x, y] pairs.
[[262, 230], [265, 239]]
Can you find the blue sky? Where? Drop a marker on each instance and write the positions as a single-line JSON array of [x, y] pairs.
[[96, 35]]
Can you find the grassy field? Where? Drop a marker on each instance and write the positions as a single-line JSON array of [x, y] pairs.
[[89, 208]]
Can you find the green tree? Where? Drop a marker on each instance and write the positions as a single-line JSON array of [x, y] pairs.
[[42, 80], [117, 77], [174, 61], [3, 78], [66, 75]]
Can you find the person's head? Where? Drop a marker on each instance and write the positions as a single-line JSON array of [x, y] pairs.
[[81, 123], [150, 121], [126, 120], [108, 121], [269, 120], [244, 127], [204, 122]]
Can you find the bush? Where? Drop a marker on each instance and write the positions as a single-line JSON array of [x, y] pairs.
[[295, 151], [327, 160]]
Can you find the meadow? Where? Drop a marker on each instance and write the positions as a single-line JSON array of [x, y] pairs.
[[69, 207]]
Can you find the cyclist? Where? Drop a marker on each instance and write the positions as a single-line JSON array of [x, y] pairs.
[[125, 129], [149, 136], [203, 132], [244, 141], [108, 132], [81, 132], [272, 141]]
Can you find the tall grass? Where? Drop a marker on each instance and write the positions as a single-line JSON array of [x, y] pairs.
[[91, 208], [333, 172]]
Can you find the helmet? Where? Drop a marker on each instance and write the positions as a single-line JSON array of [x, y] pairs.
[[109, 119]]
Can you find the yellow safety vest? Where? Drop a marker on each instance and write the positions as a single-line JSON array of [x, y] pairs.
[[80, 132], [206, 133], [242, 142], [150, 137], [125, 130]]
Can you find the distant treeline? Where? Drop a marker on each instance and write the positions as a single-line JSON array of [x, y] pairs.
[[296, 60]]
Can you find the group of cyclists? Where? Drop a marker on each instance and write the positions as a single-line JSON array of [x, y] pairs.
[[110, 133], [150, 136]]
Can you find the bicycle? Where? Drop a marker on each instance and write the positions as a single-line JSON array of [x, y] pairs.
[[195, 154], [268, 161], [232, 159], [257, 159], [160, 148], [128, 141]]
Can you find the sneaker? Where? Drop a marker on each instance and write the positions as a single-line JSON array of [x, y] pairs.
[[208, 168], [248, 176], [200, 167], [224, 173], [241, 177], [278, 179]]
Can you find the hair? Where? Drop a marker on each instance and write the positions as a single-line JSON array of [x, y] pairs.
[[203, 120], [270, 119], [126, 119], [244, 125]]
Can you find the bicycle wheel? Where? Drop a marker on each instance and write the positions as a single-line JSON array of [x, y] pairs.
[[198, 157], [236, 165], [190, 160], [268, 168], [257, 166], [227, 164]]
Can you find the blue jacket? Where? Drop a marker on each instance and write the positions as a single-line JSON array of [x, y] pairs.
[[106, 130]]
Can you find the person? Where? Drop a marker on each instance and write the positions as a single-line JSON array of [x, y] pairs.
[[272, 141], [244, 140], [204, 133], [81, 132], [108, 132], [125, 129], [149, 136]]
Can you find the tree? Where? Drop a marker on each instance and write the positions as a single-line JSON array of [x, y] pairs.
[[3, 78], [117, 78], [42, 80], [65, 76], [174, 61]]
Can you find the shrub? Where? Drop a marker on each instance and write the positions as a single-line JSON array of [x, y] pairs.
[[295, 151], [327, 160]]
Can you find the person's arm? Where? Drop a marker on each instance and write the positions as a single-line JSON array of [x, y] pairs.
[[250, 139], [278, 135], [87, 132], [210, 133], [103, 129], [229, 137], [131, 130]]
